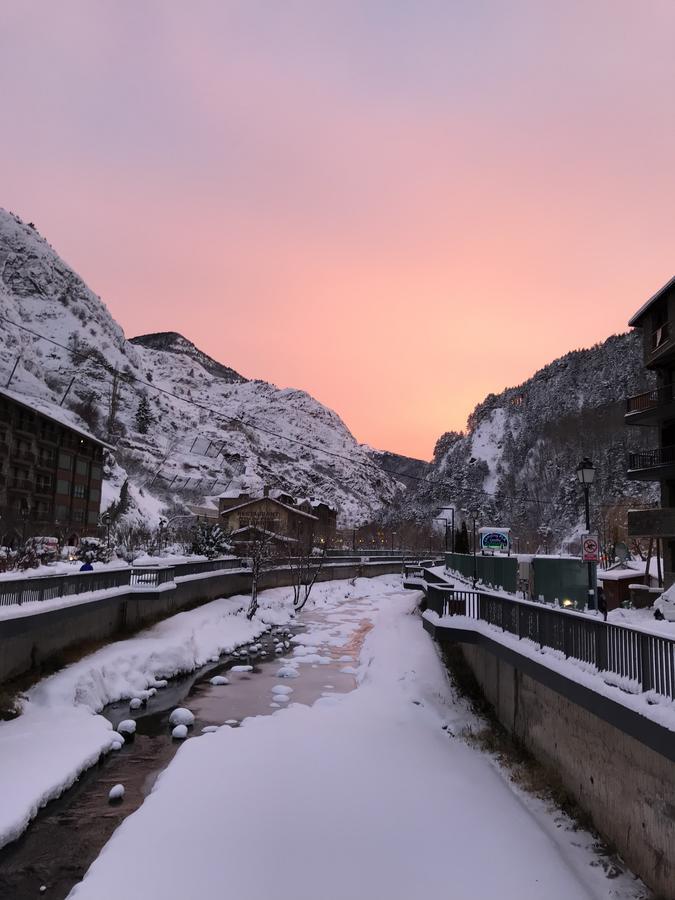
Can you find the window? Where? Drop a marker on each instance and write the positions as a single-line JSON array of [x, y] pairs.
[[44, 482], [94, 494], [61, 512], [65, 461], [82, 467], [92, 518], [96, 472], [79, 491], [62, 486], [78, 516]]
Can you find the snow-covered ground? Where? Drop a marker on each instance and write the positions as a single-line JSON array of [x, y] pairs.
[[59, 734], [372, 794]]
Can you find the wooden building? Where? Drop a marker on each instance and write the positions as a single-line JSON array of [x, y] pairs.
[[51, 472]]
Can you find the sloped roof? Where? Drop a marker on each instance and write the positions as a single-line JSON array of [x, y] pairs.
[[51, 411], [657, 296], [272, 534]]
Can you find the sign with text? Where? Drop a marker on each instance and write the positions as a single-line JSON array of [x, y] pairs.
[[494, 539], [590, 548]]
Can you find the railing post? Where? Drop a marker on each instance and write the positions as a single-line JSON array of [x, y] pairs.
[[600, 646], [566, 635], [645, 663]]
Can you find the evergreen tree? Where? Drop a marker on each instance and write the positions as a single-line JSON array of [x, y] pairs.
[[144, 417], [210, 540], [462, 540]]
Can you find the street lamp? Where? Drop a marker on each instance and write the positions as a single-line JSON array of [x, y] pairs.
[[447, 522], [475, 561], [585, 475]]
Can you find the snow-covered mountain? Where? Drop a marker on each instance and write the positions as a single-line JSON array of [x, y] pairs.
[[515, 464], [201, 426]]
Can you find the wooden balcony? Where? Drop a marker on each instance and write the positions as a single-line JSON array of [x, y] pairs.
[[652, 465], [651, 407]]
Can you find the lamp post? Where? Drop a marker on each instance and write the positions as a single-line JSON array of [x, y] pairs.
[[475, 561], [585, 475], [393, 535]]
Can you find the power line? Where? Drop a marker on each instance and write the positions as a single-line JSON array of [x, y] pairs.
[[126, 376]]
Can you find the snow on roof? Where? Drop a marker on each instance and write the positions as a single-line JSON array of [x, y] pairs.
[[232, 494], [51, 411], [293, 509]]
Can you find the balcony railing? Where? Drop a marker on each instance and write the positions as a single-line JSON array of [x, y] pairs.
[[19, 484], [651, 399], [651, 459], [24, 456]]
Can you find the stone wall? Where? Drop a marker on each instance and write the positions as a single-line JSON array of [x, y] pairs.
[[627, 788]]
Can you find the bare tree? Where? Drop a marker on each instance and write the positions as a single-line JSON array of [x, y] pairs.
[[262, 552], [305, 567]]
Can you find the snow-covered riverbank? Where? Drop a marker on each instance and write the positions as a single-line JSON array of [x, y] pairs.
[[371, 794], [59, 734]]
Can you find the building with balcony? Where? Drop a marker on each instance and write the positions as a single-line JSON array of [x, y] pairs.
[[51, 472], [656, 408]]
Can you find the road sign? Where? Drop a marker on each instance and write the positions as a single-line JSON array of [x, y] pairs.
[[590, 548]]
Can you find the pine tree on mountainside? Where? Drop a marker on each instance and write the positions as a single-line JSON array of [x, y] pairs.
[[144, 417]]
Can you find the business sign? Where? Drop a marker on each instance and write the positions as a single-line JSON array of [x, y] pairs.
[[590, 548], [494, 539]]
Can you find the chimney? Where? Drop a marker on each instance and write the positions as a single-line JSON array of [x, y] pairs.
[[266, 491]]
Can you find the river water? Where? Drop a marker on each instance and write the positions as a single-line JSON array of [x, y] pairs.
[[68, 834]]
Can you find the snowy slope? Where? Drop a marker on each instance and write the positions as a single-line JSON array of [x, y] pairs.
[[515, 464], [189, 453]]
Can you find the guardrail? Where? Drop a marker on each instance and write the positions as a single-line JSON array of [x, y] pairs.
[[49, 587], [637, 659]]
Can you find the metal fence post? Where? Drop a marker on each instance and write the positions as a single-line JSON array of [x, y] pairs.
[[600, 646], [645, 662]]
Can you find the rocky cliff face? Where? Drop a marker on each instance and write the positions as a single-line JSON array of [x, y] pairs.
[[515, 464], [206, 428]]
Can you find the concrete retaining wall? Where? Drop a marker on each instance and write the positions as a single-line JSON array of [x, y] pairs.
[[33, 641], [627, 788]]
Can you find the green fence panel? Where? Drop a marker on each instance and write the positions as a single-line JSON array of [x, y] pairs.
[[495, 571], [560, 579]]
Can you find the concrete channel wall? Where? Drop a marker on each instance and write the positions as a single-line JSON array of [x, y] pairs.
[[626, 787], [39, 639]]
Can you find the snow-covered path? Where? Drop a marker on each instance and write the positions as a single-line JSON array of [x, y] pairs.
[[360, 796]]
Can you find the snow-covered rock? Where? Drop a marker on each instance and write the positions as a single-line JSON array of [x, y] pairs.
[[135, 703], [116, 792], [127, 727], [179, 732], [217, 680], [241, 669], [181, 716]]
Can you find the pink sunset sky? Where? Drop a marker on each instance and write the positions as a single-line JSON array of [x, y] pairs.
[[397, 206]]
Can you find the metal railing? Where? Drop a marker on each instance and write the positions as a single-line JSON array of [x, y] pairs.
[[152, 577], [205, 566], [634, 660], [651, 459], [49, 587], [650, 399], [661, 338]]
